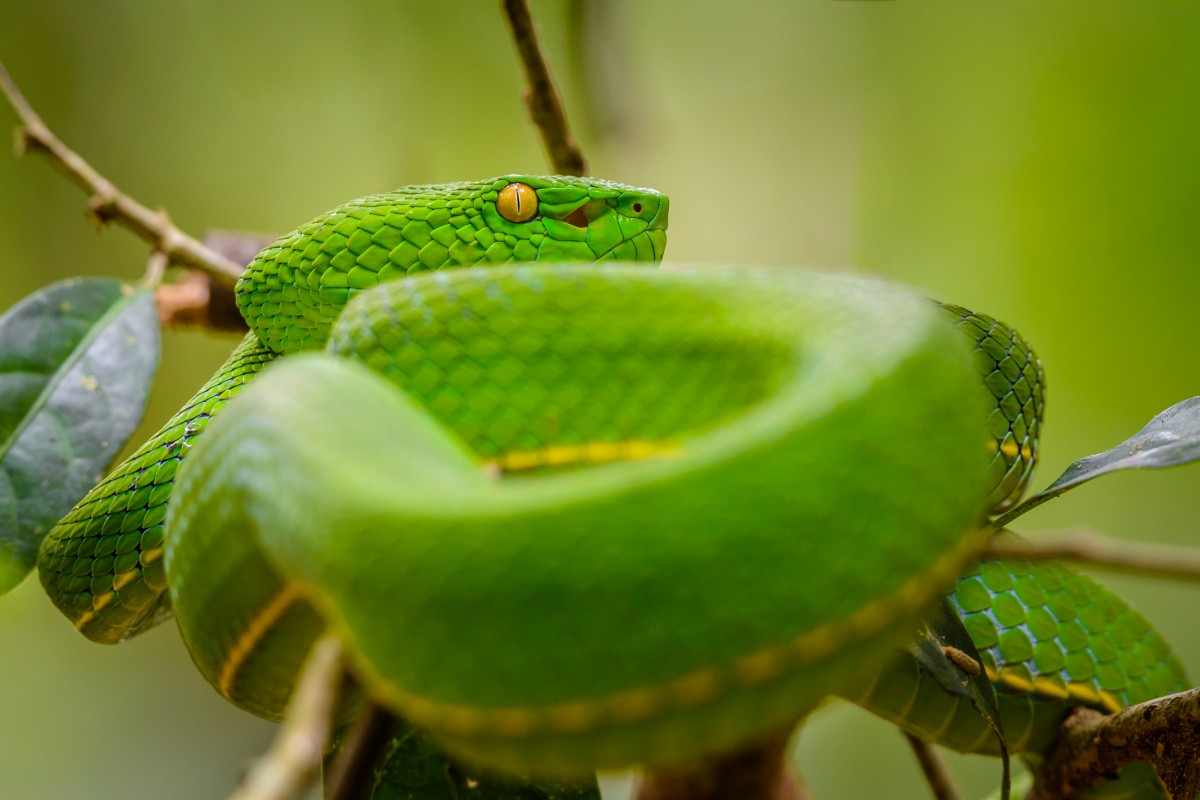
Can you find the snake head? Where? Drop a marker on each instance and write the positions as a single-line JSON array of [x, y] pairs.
[[577, 219], [292, 291]]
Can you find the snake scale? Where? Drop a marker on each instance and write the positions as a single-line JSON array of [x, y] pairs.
[[494, 542]]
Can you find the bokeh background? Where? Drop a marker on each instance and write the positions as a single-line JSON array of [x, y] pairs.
[[1040, 161]]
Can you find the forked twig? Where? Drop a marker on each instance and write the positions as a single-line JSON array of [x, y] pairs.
[[106, 203]]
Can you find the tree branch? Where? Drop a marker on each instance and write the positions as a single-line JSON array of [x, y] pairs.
[[293, 762], [1095, 549], [934, 768], [541, 98], [106, 203], [1164, 732]]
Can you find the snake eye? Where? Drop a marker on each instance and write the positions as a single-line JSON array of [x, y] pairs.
[[517, 202]]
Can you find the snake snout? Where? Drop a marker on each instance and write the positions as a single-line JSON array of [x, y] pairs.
[[659, 223]]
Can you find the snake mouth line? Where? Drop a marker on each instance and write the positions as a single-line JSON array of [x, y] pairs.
[[695, 689], [656, 252]]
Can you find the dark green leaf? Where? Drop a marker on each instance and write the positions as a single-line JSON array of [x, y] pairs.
[[1170, 439], [412, 768], [943, 650], [76, 360]]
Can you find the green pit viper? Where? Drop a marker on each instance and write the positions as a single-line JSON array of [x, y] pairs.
[[616, 514]]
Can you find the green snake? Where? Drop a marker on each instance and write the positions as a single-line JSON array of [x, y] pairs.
[[615, 514]]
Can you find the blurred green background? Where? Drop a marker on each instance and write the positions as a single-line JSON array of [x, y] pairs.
[[1039, 161]]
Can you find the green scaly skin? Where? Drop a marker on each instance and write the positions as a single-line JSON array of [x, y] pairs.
[[102, 564], [1013, 377], [556, 620], [1050, 638]]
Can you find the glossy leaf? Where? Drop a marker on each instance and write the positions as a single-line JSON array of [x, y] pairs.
[[76, 361], [412, 768], [1170, 439]]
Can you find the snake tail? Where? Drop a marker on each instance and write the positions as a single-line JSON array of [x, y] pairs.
[[1050, 640]]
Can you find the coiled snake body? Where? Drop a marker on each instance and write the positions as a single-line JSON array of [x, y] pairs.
[[615, 514]]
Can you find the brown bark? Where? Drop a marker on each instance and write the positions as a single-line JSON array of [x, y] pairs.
[[1165, 732]]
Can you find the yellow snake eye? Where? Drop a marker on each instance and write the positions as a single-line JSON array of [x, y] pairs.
[[517, 202]]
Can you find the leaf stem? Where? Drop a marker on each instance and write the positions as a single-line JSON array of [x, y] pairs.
[[156, 268], [1029, 505]]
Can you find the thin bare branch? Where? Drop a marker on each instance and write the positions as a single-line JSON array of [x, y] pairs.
[[291, 766], [933, 766], [1103, 552], [541, 98], [156, 268], [1164, 732], [106, 203]]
